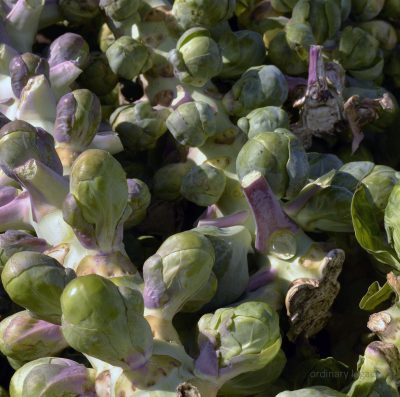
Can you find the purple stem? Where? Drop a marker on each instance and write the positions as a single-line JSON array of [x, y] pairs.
[[267, 211], [207, 362], [7, 194], [237, 218], [260, 279], [16, 214]]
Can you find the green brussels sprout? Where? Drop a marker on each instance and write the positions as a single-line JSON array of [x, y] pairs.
[[202, 297], [23, 67], [231, 246], [69, 47], [192, 123], [373, 203], [97, 75], [378, 371], [359, 54], [106, 37], [106, 321], [79, 11], [283, 5], [392, 66], [25, 338], [365, 10], [120, 10], [139, 125], [35, 281], [257, 87], [280, 157], [325, 203], [391, 10], [53, 377], [236, 340], [382, 31], [139, 198], [97, 201], [322, 16], [287, 59], [316, 391], [128, 58], [167, 180], [190, 13], [240, 50], [197, 57], [321, 163], [250, 383], [203, 184], [265, 119], [172, 276], [392, 196]]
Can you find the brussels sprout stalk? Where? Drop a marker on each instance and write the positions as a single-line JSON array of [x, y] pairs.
[[299, 269]]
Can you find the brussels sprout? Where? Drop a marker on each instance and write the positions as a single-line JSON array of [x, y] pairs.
[[97, 75], [383, 31], [25, 338], [378, 371], [359, 54], [69, 47], [391, 9], [371, 204], [139, 198], [173, 276], [13, 241], [139, 125], [322, 163], [192, 123], [78, 118], [231, 246], [52, 377], [128, 58], [287, 59], [120, 10], [365, 10], [203, 185], [250, 383], [236, 340], [283, 5], [325, 203], [257, 87], [167, 180], [97, 201], [280, 157], [36, 281], [190, 13], [197, 57], [265, 119], [106, 321], [240, 51], [23, 67], [322, 16], [79, 11]]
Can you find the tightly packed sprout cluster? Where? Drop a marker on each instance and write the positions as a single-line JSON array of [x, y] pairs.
[[199, 198]]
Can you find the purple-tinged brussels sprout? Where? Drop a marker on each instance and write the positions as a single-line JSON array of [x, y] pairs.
[[53, 377], [24, 338], [23, 67], [69, 47]]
